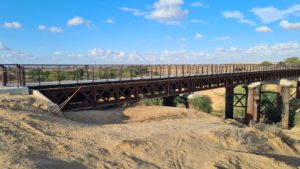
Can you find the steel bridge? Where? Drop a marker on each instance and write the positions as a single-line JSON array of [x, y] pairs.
[[102, 85]]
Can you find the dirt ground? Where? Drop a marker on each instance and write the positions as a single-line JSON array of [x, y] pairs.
[[138, 137]]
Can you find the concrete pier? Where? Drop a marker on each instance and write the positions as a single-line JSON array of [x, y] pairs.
[[285, 94], [253, 102]]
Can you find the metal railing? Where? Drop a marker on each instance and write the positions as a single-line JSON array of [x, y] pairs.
[[47, 74]]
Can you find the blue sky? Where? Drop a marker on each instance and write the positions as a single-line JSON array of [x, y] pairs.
[[148, 31]]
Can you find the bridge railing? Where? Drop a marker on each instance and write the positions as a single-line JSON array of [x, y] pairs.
[[37, 75]]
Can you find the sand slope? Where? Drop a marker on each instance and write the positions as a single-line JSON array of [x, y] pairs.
[[142, 137]]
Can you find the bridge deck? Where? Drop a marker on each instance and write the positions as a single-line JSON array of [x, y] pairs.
[[43, 76], [103, 85]]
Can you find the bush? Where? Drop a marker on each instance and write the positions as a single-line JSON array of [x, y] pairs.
[[151, 102], [179, 100], [202, 103], [249, 139], [275, 132], [266, 63]]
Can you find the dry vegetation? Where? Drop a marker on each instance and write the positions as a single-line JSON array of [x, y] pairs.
[[140, 137]]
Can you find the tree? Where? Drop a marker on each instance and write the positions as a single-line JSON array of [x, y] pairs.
[[266, 63], [292, 60]]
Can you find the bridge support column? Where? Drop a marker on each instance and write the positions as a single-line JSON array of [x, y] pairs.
[[229, 102], [285, 93], [253, 100], [298, 89]]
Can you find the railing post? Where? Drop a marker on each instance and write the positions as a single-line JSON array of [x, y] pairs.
[[151, 71], [58, 75], [207, 69], [141, 73], [160, 71], [93, 73], [21, 75], [4, 75], [131, 73], [40, 73], [77, 76]]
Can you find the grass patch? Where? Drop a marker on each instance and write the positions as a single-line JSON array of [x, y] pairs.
[[151, 102]]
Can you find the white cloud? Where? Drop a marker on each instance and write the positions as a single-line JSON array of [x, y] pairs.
[[220, 49], [58, 53], [262, 50], [271, 14], [15, 25], [75, 55], [77, 20], [3, 47], [168, 11], [263, 29], [238, 16], [55, 29], [222, 38], [106, 54], [233, 49], [198, 4], [183, 39], [290, 26], [257, 53], [198, 21], [198, 36], [8, 55], [135, 12], [110, 21], [42, 27], [233, 14]]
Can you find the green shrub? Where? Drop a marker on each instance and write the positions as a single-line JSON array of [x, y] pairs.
[[179, 100], [266, 63], [202, 103], [151, 102]]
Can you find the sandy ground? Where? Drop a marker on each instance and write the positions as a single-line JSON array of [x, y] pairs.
[[140, 137]]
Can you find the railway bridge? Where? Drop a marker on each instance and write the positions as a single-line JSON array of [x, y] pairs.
[[86, 86]]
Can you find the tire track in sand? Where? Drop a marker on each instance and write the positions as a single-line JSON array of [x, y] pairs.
[[177, 161]]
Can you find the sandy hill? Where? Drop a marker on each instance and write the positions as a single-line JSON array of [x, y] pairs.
[[140, 137]]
